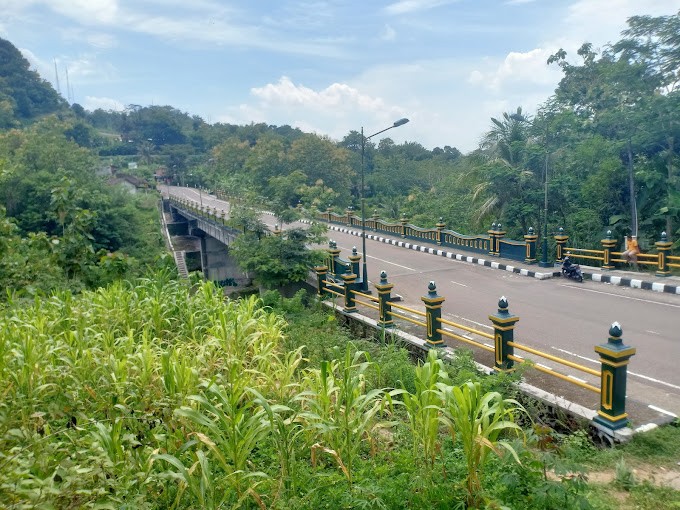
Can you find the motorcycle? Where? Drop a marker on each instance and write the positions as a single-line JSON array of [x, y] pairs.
[[572, 271]]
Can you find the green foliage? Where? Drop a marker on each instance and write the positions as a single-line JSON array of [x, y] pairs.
[[160, 394], [24, 96], [422, 408], [80, 231], [278, 259], [478, 420], [342, 410]]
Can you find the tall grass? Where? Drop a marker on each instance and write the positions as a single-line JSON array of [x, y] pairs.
[[162, 394]]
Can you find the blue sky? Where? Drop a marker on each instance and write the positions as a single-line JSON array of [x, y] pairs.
[[325, 66]]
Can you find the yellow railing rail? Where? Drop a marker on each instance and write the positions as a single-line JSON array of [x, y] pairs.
[[367, 296], [555, 359], [549, 371], [583, 250], [406, 309], [365, 303], [465, 328], [408, 319], [460, 338]]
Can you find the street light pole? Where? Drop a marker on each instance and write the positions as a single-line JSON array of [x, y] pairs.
[[364, 277], [544, 249]]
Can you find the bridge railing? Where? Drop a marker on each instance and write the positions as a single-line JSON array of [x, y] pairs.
[[660, 259], [492, 243], [614, 355]]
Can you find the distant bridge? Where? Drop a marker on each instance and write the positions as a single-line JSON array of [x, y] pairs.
[[193, 219]]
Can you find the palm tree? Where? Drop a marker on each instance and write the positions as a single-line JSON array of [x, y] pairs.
[[501, 170]]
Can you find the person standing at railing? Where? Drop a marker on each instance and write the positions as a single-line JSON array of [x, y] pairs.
[[632, 250]]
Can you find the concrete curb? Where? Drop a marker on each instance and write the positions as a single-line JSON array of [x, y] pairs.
[[596, 277]]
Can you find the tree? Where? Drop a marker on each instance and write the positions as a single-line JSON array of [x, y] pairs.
[[277, 260], [27, 94], [319, 158], [504, 181], [608, 93]]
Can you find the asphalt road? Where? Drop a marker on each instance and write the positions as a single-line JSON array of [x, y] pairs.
[[560, 317]]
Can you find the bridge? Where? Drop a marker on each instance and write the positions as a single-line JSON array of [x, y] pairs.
[[562, 318], [205, 237]]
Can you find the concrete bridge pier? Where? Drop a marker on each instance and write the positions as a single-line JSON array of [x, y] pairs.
[[218, 265]]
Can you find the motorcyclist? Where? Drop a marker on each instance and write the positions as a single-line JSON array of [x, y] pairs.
[[567, 264]]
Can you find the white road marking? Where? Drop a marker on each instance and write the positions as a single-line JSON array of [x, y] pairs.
[[381, 260], [577, 379], [392, 263], [641, 376], [472, 322], [647, 378], [658, 409], [461, 284], [651, 332], [576, 355], [622, 297]]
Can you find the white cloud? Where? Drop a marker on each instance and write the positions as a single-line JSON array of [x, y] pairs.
[[43, 67], [105, 103], [86, 11], [201, 21], [388, 33], [601, 21], [285, 93], [406, 6], [332, 110], [517, 68]]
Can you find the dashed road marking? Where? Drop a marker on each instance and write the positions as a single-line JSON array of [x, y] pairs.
[[618, 296]]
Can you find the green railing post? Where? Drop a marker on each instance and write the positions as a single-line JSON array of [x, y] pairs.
[[503, 333], [608, 245], [385, 308], [403, 222], [348, 214], [560, 244], [440, 226], [433, 312], [614, 357], [663, 246], [375, 217], [500, 233], [492, 239], [333, 253], [354, 259], [530, 239], [495, 235], [350, 286], [321, 272]]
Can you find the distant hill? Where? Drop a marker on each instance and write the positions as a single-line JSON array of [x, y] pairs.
[[24, 95]]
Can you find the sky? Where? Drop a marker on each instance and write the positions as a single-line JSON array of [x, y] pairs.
[[324, 66]]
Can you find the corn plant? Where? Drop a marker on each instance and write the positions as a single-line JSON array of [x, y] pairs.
[[423, 407], [279, 375], [477, 421], [341, 410], [286, 431], [230, 424]]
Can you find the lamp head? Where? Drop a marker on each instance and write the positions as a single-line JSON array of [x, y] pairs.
[[400, 122]]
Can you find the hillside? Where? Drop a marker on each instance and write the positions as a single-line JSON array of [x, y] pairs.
[[24, 95]]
